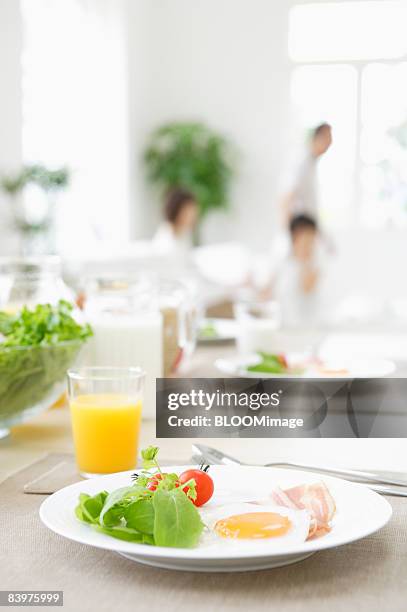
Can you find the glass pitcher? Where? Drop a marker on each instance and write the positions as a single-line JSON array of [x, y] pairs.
[[27, 281]]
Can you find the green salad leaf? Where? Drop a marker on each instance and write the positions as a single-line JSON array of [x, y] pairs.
[[140, 515], [149, 455], [177, 522], [268, 367], [89, 508], [121, 533], [155, 510], [272, 363], [117, 502], [113, 509], [208, 331], [45, 324], [37, 346]]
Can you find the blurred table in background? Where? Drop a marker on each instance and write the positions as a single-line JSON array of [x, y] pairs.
[[373, 345]]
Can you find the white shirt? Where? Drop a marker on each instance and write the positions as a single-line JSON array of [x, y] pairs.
[[166, 241], [297, 307], [304, 185]]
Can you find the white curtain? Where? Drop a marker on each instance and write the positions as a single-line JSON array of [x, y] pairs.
[[75, 112]]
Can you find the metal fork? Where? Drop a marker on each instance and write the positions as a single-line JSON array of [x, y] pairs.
[[374, 479]]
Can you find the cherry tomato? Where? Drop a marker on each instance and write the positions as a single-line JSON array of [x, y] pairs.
[[204, 485], [283, 360], [153, 482]]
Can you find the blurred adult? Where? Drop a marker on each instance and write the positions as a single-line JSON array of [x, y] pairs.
[[174, 236], [301, 196]]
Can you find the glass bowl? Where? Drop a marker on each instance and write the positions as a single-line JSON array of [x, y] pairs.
[[32, 378]]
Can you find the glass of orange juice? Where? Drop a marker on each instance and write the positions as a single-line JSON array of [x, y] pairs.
[[106, 406]]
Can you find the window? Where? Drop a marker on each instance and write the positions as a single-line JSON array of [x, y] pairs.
[[74, 112], [350, 69]]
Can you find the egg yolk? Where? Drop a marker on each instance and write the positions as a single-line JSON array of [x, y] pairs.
[[253, 525]]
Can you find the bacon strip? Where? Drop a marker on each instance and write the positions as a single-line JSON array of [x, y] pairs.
[[315, 498]]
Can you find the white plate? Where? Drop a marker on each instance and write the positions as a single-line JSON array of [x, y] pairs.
[[361, 368], [360, 512]]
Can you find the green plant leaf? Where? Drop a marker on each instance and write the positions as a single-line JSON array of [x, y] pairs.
[[193, 157], [47, 179]]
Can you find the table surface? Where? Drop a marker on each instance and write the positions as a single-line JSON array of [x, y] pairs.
[[51, 432], [365, 574]]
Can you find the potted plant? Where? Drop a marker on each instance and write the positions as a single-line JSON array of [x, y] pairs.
[[33, 192], [193, 157]]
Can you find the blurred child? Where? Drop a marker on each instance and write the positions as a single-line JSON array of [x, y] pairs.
[[297, 282]]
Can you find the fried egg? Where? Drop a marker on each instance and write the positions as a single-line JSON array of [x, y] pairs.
[[251, 525]]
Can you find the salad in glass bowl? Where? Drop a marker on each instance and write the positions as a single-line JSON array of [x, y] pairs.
[[37, 346]]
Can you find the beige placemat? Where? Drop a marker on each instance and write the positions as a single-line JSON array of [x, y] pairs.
[[368, 575], [52, 473]]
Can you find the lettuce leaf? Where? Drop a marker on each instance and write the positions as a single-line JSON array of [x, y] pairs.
[[177, 522]]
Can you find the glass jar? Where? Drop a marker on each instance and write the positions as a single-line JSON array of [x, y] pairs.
[[179, 314], [127, 328], [27, 281]]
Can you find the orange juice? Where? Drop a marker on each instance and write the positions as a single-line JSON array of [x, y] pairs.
[[106, 429]]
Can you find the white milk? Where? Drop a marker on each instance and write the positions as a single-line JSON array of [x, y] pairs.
[[124, 340]]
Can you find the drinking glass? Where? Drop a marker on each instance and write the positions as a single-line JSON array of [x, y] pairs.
[[258, 323], [106, 405]]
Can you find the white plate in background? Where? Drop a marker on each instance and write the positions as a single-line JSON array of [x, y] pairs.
[[355, 368], [226, 330]]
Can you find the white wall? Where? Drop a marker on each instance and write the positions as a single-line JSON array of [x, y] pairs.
[[369, 263], [224, 63], [10, 108], [140, 30]]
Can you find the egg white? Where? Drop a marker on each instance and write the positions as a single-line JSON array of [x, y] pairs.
[[297, 534]]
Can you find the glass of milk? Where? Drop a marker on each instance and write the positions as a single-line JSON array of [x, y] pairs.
[[127, 327], [258, 324]]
